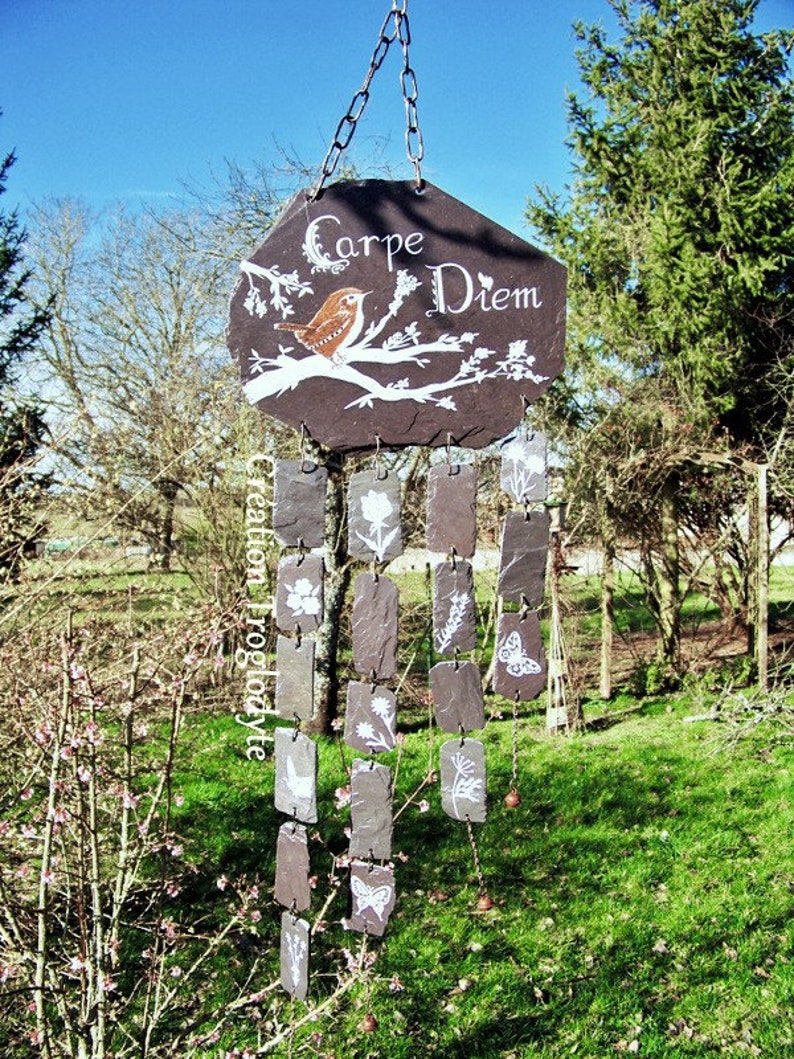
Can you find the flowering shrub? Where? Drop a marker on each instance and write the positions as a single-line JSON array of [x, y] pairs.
[[98, 957]]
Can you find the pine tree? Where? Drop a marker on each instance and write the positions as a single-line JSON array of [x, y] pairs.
[[678, 233], [22, 427]]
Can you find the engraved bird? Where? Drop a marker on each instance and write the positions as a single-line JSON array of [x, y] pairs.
[[334, 327]]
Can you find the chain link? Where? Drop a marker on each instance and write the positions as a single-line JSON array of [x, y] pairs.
[[475, 852], [414, 144]]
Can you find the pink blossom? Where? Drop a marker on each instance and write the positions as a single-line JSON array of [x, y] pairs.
[[395, 985], [26, 795], [222, 882], [130, 800], [77, 964], [424, 805], [176, 972], [84, 773], [179, 799], [342, 796], [108, 984], [43, 733], [177, 851], [93, 734], [28, 831], [48, 877]]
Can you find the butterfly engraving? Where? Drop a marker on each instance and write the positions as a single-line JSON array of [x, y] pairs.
[[515, 658], [375, 897]]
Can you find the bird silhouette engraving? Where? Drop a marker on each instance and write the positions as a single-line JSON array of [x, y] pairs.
[[335, 325]]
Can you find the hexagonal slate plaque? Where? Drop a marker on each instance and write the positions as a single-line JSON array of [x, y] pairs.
[[374, 315]]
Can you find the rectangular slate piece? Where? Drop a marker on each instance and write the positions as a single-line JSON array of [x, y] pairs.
[[299, 593], [456, 690], [299, 503], [523, 469], [370, 718], [452, 509], [520, 669], [463, 779], [372, 898], [294, 956], [374, 626], [454, 626], [370, 810], [296, 775], [522, 563], [292, 868], [373, 516], [295, 678]]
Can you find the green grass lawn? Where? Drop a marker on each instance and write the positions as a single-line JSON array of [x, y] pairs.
[[643, 895]]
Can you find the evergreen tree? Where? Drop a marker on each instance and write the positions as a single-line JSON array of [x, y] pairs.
[[22, 427], [678, 233]]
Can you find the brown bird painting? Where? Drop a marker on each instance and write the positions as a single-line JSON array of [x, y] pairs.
[[334, 327]]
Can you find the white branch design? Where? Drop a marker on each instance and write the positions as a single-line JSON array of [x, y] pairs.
[[459, 603], [280, 286], [274, 376]]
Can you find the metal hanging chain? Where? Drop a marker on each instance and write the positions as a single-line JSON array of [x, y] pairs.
[[414, 144]]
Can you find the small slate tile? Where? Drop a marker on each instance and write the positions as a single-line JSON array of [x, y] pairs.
[[294, 956], [463, 779], [299, 503], [452, 509], [299, 593], [296, 775], [522, 563], [456, 690], [520, 665], [373, 516], [454, 625], [370, 718], [292, 868], [374, 626], [370, 810], [524, 468], [372, 898], [295, 678]]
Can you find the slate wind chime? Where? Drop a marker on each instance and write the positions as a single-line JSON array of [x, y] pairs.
[[299, 490], [379, 315], [455, 683], [520, 661], [374, 537]]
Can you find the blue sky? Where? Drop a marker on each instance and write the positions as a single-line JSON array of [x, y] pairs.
[[123, 99]]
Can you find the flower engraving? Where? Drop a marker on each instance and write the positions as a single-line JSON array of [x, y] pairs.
[[523, 469], [377, 510], [303, 598], [466, 786]]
